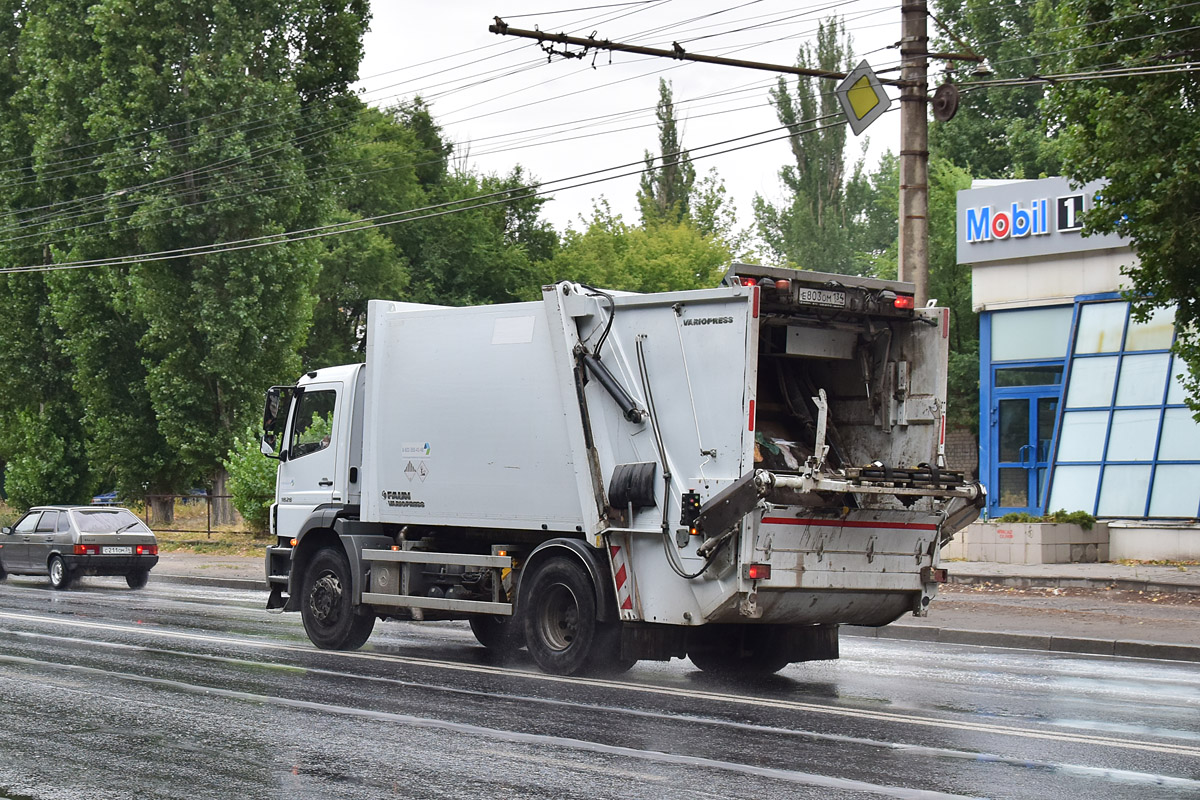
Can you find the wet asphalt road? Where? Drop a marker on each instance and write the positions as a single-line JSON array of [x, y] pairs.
[[178, 691]]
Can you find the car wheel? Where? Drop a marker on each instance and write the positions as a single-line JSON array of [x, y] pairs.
[[561, 630], [137, 580], [330, 619], [60, 576]]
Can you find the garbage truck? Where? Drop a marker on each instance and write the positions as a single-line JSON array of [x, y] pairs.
[[724, 474]]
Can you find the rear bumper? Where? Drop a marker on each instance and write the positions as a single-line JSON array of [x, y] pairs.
[[108, 565]]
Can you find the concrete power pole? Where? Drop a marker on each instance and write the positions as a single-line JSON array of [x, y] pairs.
[[914, 148]]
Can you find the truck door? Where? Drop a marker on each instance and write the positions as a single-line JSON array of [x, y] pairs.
[[316, 455]]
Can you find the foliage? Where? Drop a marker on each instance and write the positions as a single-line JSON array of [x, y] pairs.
[[612, 254], [183, 346], [48, 465], [1081, 518], [1140, 134], [950, 283], [251, 481], [8, 515], [826, 222], [665, 191], [998, 131]]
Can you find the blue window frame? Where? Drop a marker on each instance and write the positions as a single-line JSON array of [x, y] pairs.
[[1023, 357], [1125, 443]]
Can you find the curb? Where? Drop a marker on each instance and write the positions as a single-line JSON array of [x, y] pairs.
[[1056, 582], [1126, 648], [245, 584]]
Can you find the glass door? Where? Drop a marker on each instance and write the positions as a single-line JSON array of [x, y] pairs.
[[1022, 434]]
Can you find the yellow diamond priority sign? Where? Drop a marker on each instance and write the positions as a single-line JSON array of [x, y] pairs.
[[862, 97]]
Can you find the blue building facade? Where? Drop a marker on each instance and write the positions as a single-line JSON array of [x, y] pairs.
[[1082, 406]]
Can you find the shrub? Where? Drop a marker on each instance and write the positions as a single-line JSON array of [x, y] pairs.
[[1081, 518], [251, 481]]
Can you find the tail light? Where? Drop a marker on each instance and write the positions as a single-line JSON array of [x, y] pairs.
[[87, 549], [756, 572], [147, 550], [905, 301]]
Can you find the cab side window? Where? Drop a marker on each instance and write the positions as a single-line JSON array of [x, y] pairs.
[[27, 523], [48, 522], [313, 423]]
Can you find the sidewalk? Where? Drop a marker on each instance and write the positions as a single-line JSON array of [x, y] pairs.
[[1103, 609]]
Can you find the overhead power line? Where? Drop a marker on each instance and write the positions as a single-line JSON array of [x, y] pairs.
[[412, 215]]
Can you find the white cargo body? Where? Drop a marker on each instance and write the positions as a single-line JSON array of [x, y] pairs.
[[726, 473]]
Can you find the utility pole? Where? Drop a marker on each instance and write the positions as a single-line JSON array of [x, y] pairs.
[[914, 148]]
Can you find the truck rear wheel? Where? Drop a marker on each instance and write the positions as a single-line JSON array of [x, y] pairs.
[[561, 630], [326, 604], [501, 634]]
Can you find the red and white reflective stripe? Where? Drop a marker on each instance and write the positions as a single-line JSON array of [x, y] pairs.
[[621, 575]]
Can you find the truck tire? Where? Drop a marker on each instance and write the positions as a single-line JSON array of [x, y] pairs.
[[497, 633], [60, 575], [561, 630], [330, 619], [736, 650]]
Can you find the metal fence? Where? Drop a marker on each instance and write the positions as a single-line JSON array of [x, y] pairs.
[[187, 500]]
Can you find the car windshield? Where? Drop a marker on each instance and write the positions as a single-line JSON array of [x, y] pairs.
[[108, 520]]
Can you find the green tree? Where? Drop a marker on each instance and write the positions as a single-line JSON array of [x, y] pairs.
[[666, 189], [826, 220], [41, 436], [1139, 133], [146, 87], [950, 283], [998, 131], [482, 234], [610, 253]]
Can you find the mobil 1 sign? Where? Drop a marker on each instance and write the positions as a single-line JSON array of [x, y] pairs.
[[1022, 219]]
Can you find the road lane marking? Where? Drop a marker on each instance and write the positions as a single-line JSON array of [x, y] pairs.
[[664, 691], [1113, 775], [519, 737]]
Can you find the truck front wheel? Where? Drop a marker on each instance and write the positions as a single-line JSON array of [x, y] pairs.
[[326, 604], [561, 630]]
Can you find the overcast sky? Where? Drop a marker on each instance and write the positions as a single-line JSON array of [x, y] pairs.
[[503, 103]]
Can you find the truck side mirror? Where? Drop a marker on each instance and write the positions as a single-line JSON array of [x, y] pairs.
[[275, 415]]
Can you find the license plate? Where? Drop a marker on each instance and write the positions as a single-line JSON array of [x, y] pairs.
[[116, 550], [822, 297]]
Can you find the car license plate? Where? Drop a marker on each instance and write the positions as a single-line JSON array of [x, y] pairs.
[[822, 297], [116, 550]]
